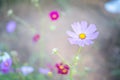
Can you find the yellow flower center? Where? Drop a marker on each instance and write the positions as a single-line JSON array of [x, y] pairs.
[[82, 36]]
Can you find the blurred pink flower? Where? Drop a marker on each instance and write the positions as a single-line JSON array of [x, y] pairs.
[[82, 35], [36, 37], [54, 15]]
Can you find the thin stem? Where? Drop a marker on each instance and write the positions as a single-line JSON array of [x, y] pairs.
[[77, 54], [74, 61], [24, 22], [71, 76], [61, 57]]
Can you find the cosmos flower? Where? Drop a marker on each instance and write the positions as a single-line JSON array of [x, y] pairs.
[[113, 6], [62, 68], [45, 71], [5, 66], [26, 70], [54, 15], [36, 37], [83, 34], [11, 26]]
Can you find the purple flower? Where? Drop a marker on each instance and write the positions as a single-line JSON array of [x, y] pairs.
[[82, 34], [26, 70], [10, 27], [44, 70], [5, 66]]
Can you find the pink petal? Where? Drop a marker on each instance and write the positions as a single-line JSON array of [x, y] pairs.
[[72, 34], [91, 29], [76, 27], [93, 35]]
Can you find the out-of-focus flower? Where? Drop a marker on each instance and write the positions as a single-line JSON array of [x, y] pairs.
[[51, 67], [5, 66], [10, 12], [54, 15], [52, 28], [82, 34], [11, 26], [87, 69], [45, 71], [5, 56], [36, 37], [14, 53], [26, 70], [113, 6], [54, 51], [62, 68]]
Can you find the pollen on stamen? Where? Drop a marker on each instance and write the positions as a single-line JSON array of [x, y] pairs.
[[64, 71], [61, 67]]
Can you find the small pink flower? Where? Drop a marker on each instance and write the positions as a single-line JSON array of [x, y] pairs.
[[36, 37], [62, 68], [54, 15]]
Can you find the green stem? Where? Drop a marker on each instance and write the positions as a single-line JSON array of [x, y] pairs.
[[61, 57], [24, 23], [71, 76], [77, 54], [74, 61]]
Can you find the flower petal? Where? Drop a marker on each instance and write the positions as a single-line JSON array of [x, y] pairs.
[[72, 34], [91, 29], [93, 35], [76, 27], [80, 43], [73, 41], [83, 25], [88, 42]]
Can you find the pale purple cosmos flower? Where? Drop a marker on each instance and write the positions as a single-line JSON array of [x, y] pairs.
[[83, 34], [44, 71], [10, 27], [5, 66], [26, 70]]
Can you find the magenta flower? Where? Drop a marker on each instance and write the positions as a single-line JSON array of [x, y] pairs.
[[82, 35], [36, 37], [54, 15], [62, 68], [5, 66], [11, 26]]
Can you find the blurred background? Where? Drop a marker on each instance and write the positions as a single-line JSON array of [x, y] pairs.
[[28, 35]]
